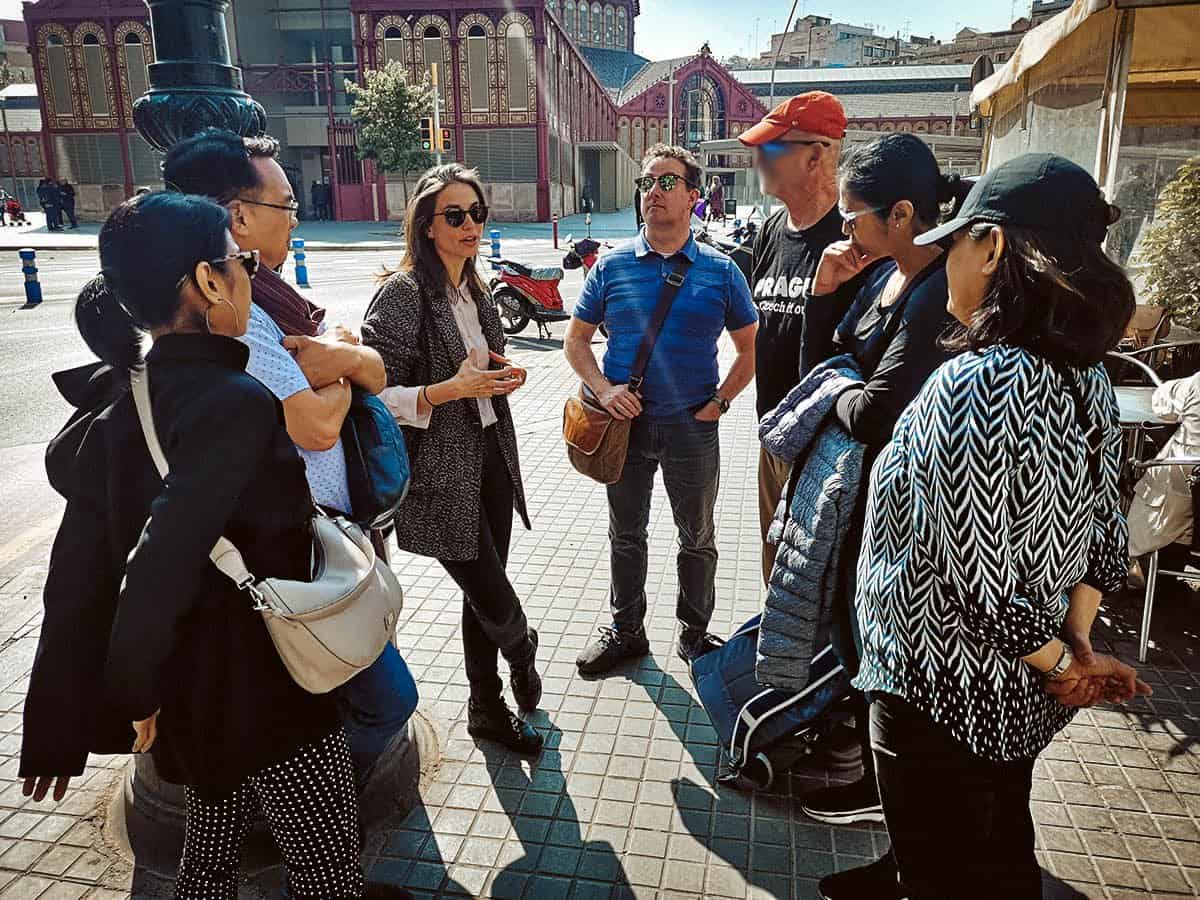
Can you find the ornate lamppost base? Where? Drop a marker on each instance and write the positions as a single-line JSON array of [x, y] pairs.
[[166, 117]]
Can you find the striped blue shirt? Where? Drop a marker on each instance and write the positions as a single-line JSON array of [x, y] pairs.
[[622, 291]]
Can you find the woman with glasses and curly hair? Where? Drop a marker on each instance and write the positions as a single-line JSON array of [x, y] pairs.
[[441, 342]]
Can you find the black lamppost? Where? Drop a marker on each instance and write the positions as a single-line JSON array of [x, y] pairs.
[[192, 82]]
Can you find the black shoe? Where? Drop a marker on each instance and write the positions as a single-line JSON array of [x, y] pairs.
[[878, 881], [613, 647], [524, 680], [844, 804], [494, 721], [694, 643]]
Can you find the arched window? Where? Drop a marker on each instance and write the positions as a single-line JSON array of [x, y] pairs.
[[60, 81], [135, 65], [584, 17], [622, 41], [569, 17], [477, 68], [431, 46], [517, 46], [393, 45], [609, 27], [597, 23], [93, 67]]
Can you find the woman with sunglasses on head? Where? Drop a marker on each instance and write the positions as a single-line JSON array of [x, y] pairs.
[[441, 342], [993, 527], [185, 656]]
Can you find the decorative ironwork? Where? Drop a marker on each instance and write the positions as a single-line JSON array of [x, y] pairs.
[[193, 85], [147, 47], [284, 78], [382, 27], [61, 120], [529, 114], [492, 116]]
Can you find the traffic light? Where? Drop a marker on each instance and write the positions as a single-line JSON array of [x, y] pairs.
[[427, 133], [445, 142]]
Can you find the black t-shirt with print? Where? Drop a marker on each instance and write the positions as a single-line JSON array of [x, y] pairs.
[[784, 264]]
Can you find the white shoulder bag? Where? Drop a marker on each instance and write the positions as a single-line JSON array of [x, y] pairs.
[[328, 630]]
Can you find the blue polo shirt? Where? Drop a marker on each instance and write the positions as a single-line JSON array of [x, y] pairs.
[[621, 293]]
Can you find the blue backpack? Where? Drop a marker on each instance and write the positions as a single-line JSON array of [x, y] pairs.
[[377, 467], [764, 730]]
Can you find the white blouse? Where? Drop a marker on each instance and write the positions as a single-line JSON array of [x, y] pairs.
[[402, 400]]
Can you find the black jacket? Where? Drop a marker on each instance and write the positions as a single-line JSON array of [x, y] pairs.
[[136, 617]]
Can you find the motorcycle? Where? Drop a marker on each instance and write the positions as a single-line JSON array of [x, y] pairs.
[[740, 249], [523, 293], [582, 254]]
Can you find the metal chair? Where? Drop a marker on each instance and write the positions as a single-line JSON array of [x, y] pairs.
[[1153, 570]]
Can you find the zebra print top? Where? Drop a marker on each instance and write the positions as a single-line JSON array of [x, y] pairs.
[[982, 515]]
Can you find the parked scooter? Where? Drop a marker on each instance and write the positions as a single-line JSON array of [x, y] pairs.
[[522, 294], [583, 253], [739, 246]]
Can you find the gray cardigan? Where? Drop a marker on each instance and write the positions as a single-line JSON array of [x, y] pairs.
[[811, 529], [440, 515]]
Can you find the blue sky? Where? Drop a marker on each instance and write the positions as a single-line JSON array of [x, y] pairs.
[[669, 28]]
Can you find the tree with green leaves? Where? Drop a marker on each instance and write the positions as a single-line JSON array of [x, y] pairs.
[[388, 110], [1171, 247]]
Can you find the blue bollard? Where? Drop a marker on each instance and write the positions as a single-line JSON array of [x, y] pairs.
[[301, 267], [494, 234], [33, 288]]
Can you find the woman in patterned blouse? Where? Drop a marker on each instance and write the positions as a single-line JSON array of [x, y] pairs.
[[993, 527]]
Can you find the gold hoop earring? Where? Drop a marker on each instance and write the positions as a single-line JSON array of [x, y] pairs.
[[236, 318]]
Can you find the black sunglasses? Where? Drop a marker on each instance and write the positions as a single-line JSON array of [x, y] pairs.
[[667, 182], [455, 217]]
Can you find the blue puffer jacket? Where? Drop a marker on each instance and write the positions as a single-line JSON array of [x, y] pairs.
[[810, 529]]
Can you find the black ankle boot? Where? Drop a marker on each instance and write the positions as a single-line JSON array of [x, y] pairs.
[[494, 721], [524, 679]]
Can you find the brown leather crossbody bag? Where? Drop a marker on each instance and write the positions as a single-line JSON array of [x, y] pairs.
[[597, 441]]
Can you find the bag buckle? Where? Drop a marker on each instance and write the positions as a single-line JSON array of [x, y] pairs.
[[635, 383], [259, 598], [675, 279]]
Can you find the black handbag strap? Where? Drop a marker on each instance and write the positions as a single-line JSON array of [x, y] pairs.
[[674, 282]]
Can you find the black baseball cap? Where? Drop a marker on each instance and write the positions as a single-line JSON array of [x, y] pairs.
[[1040, 191]]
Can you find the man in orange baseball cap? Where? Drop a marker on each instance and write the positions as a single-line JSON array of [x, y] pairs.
[[796, 148]]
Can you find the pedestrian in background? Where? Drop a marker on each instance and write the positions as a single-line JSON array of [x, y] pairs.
[[438, 332], [796, 148], [139, 624], [677, 408], [50, 199], [67, 192], [993, 527], [716, 199], [310, 370]]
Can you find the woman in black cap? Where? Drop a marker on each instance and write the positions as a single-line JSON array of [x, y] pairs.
[[993, 527]]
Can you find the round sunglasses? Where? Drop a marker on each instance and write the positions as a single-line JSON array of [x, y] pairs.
[[456, 216]]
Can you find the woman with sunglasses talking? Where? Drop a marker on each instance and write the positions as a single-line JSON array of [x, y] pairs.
[[441, 342], [132, 599]]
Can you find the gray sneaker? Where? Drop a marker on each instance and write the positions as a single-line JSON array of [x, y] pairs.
[[612, 648]]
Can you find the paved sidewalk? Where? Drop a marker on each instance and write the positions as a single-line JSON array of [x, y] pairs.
[[623, 803]]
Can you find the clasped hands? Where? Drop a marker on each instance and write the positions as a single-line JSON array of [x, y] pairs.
[[1092, 677]]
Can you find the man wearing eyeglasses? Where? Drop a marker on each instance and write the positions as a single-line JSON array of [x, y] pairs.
[[676, 408], [309, 368], [796, 148]]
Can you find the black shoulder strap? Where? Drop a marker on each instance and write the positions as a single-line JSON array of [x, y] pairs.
[[669, 291], [1091, 432]]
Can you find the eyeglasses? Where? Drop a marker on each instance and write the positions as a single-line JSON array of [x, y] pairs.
[[667, 182], [292, 207], [456, 216], [850, 217], [779, 148], [248, 258]]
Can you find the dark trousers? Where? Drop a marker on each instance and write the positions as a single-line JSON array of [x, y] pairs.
[[960, 825], [69, 208], [493, 621], [690, 456]]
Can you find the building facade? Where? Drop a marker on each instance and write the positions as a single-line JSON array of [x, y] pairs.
[[21, 161], [14, 51], [817, 41]]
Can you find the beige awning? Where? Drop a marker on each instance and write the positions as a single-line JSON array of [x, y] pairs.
[[1164, 74]]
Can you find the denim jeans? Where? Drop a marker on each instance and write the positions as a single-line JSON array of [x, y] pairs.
[[375, 704], [960, 825], [690, 456]]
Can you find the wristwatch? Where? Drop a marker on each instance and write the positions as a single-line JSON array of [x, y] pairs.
[[721, 402], [1064, 663]]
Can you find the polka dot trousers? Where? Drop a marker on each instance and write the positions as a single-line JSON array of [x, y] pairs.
[[312, 811]]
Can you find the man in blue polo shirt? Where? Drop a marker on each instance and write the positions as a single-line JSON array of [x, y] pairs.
[[675, 414]]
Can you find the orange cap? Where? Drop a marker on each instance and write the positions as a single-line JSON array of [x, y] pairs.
[[815, 112]]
